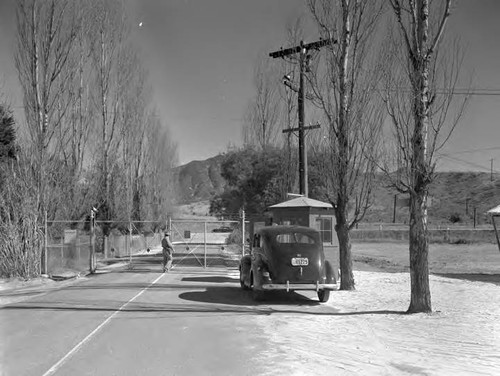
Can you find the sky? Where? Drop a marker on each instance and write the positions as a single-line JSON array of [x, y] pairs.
[[201, 53]]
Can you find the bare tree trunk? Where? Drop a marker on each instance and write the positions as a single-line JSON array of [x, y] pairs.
[[344, 237], [104, 87], [344, 92], [44, 43], [261, 126], [419, 251], [109, 47], [415, 149], [419, 244]]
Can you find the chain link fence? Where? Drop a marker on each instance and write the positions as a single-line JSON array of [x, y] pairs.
[[85, 246], [67, 247]]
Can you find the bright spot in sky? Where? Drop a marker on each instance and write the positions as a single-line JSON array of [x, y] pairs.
[[140, 24]]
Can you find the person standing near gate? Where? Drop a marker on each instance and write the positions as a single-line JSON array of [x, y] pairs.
[[167, 249]]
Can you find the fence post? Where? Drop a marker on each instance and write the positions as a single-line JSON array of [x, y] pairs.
[[130, 243], [78, 245], [44, 267], [205, 242], [92, 241], [62, 252]]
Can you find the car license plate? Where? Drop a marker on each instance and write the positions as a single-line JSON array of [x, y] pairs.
[[300, 261]]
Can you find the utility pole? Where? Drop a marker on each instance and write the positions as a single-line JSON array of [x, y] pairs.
[[491, 175], [394, 208], [302, 50], [304, 186]]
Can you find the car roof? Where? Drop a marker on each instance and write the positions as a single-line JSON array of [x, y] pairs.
[[275, 230]]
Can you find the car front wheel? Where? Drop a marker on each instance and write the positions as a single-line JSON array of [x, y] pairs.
[[242, 282]]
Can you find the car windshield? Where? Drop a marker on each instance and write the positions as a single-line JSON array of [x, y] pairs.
[[295, 238]]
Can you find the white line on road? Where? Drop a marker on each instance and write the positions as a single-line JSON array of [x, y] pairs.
[[56, 366]]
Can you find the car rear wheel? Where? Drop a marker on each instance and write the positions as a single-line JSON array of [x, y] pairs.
[[323, 295]]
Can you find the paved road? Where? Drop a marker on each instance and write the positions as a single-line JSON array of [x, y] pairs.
[[190, 321]]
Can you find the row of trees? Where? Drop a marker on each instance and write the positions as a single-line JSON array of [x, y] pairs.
[[91, 135], [382, 94]]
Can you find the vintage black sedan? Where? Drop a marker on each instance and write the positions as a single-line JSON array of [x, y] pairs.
[[287, 258]]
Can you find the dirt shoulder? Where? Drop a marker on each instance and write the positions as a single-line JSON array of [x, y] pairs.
[[370, 334]]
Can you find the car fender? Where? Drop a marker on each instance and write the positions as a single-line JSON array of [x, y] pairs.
[[329, 274], [256, 271]]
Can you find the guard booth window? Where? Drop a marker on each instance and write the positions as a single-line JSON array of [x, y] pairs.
[[325, 229], [256, 241]]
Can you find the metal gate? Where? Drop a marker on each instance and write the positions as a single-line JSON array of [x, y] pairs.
[[204, 243], [133, 243]]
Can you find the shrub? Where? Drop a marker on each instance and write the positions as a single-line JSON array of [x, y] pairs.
[[20, 236]]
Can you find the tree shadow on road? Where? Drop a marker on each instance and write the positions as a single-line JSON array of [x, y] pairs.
[[273, 302]]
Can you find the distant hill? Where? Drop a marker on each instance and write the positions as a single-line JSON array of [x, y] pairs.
[[453, 195], [199, 180]]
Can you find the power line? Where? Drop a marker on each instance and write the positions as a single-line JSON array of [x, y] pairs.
[[476, 91], [470, 92], [472, 150], [455, 159]]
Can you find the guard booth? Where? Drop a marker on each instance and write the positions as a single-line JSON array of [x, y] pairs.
[[304, 211], [495, 214]]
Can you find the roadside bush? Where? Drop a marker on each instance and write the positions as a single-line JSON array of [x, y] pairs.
[[455, 218], [20, 252], [234, 237], [20, 237]]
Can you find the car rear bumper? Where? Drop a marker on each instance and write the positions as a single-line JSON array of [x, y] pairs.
[[299, 286]]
